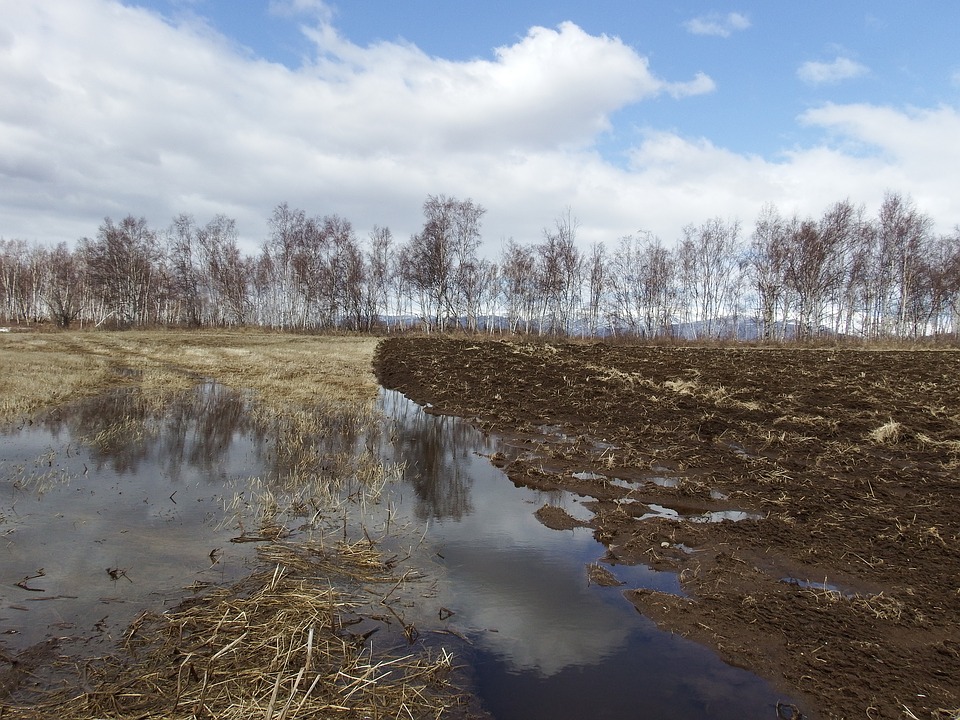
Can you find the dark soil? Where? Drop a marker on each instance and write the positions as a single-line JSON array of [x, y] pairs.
[[843, 588]]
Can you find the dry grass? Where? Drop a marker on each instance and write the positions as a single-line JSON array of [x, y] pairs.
[[276, 645], [887, 434], [329, 373]]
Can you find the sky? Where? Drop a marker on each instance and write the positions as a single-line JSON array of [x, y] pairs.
[[632, 116]]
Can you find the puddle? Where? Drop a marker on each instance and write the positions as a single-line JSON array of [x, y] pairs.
[[819, 585], [544, 642], [147, 500], [105, 531], [660, 511], [109, 507], [723, 516]]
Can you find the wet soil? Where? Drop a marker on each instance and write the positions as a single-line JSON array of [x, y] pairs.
[[807, 497]]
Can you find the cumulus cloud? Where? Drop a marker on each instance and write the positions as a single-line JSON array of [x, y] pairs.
[[717, 25], [829, 73], [912, 143], [553, 87], [866, 151], [109, 110]]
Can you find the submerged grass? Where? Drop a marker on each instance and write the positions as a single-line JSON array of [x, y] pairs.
[[276, 644]]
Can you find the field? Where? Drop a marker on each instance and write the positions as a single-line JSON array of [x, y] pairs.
[[807, 499], [832, 476], [283, 640]]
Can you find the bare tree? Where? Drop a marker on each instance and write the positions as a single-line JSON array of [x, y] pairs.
[[65, 287], [477, 283], [518, 286], [949, 279], [708, 261], [379, 267], [228, 271], [643, 289], [16, 280], [122, 265], [435, 256], [281, 300], [560, 274], [765, 262], [903, 231], [596, 262], [188, 277]]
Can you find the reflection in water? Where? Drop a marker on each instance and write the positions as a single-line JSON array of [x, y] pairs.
[[111, 505], [545, 644], [117, 484], [435, 451]]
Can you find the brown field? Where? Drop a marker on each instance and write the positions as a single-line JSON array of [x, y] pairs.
[[842, 587]]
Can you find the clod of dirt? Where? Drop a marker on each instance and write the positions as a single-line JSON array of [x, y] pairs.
[[557, 518], [599, 575]]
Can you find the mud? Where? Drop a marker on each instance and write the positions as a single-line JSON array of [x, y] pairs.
[[807, 497]]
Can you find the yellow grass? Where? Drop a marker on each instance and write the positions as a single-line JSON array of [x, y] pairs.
[[276, 644], [45, 369], [889, 432]]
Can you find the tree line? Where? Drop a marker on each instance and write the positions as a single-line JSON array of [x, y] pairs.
[[845, 273]]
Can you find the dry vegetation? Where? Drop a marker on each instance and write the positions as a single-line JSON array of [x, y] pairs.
[[44, 369], [277, 644]]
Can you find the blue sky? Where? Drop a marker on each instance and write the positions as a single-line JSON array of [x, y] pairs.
[[634, 115]]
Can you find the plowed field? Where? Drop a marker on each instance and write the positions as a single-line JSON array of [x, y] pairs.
[[809, 498]]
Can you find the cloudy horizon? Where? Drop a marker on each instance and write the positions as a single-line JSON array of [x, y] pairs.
[[159, 108]]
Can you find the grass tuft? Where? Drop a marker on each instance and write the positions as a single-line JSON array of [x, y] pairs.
[[887, 434]]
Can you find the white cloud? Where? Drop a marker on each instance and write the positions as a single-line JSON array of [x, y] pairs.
[[829, 73], [912, 151], [717, 25], [312, 8], [553, 87], [109, 110]]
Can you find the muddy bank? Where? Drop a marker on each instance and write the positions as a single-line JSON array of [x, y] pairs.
[[807, 497]]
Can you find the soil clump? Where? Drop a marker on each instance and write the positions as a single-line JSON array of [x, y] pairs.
[[807, 497]]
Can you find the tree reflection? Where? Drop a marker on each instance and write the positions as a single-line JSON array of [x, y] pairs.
[[200, 429], [124, 430], [436, 451]]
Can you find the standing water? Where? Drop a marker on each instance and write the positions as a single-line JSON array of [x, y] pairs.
[[544, 642], [108, 508]]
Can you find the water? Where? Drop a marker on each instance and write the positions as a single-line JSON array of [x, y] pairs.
[[104, 532], [147, 501], [545, 643]]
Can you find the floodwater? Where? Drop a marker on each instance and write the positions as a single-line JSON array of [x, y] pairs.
[[108, 508], [544, 642]]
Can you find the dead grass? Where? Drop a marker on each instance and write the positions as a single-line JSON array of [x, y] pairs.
[[276, 645], [43, 370], [887, 434]]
